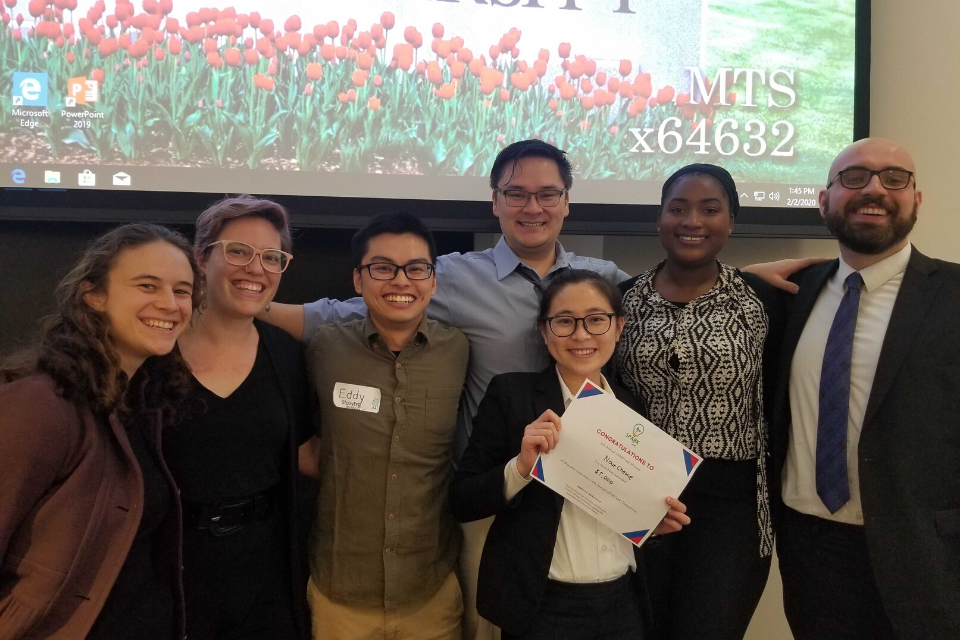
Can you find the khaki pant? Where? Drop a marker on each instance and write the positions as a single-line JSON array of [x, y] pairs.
[[435, 619], [474, 535]]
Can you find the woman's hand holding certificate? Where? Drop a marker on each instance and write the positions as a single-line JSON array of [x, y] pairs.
[[611, 462]]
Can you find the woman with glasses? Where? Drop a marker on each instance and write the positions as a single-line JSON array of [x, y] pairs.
[[548, 569], [89, 520], [693, 351], [235, 455]]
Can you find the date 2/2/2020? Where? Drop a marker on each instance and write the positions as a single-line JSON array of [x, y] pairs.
[[668, 138]]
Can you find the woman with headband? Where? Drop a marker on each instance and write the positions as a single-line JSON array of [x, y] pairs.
[[693, 351]]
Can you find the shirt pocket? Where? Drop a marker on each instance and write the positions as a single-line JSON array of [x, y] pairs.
[[442, 403]]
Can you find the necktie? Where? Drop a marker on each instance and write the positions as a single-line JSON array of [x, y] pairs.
[[832, 485]]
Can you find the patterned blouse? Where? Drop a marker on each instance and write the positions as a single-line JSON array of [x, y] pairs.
[[698, 369]]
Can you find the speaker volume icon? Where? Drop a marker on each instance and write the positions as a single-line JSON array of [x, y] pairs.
[[774, 195]]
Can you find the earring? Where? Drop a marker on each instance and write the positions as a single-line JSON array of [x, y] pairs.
[[266, 310]]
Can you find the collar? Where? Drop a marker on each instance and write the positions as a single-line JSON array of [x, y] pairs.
[[726, 282], [568, 395], [423, 335], [876, 275], [507, 261]]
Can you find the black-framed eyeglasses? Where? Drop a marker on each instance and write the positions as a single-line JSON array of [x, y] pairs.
[[520, 198], [595, 324], [389, 271], [240, 254], [892, 179]]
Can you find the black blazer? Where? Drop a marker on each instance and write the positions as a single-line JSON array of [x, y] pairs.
[[519, 548], [909, 451], [286, 358]]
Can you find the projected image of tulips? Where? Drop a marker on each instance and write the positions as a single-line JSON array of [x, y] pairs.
[[220, 88]]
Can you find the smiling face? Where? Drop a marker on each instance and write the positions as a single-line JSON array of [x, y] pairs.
[[871, 220], [399, 303], [582, 354], [531, 230], [240, 291], [147, 301], [695, 220]]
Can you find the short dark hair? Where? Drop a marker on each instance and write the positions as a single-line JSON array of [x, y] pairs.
[[394, 223], [576, 276], [531, 149]]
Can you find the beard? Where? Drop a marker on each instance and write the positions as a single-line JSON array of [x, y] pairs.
[[869, 239]]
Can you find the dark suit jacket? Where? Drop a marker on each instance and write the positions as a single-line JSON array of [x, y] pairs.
[[909, 450], [519, 548], [286, 358]]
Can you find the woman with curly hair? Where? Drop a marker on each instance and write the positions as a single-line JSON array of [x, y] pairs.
[[89, 518]]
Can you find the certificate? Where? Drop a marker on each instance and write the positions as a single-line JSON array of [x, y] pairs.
[[615, 464]]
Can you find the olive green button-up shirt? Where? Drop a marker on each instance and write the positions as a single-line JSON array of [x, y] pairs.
[[383, 534]]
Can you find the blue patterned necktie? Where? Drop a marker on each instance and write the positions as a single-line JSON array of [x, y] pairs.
[[832, 484]]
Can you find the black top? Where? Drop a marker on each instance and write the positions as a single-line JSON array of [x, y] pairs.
[[140, 605], [230, 447]]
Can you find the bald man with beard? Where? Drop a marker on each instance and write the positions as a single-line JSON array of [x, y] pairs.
[[867, 427]]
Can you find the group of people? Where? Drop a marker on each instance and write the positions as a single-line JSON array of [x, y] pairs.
[[161, 439]]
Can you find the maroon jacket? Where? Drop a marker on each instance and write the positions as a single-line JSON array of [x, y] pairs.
[[71, 498]]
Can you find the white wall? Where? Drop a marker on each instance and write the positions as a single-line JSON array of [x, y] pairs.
[[915, 90]]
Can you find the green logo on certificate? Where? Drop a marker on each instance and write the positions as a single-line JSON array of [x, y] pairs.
[[634, 436]]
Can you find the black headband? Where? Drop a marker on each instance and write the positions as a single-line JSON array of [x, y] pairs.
[[722, 176]]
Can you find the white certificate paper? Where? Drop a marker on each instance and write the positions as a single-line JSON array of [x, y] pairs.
[[615, 464]]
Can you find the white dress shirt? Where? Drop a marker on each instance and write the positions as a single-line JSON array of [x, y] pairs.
[[586, 550], [881, 284]]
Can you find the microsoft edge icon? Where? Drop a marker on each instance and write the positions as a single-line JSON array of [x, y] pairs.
[[29, 89]]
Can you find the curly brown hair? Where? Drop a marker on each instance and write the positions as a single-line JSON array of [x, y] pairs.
[[75, 348]]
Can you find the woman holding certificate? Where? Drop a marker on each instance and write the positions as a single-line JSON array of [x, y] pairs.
[[693, 351], [548, 568]]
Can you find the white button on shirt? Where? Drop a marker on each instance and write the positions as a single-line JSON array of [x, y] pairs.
[[586, 550], [881, 285]]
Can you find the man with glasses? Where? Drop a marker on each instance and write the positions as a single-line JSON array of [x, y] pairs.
[[867, 423], [384, 545]]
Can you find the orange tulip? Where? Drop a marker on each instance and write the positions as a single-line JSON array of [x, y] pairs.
[[504, 95], [552, 105], [314, 71], [328, 52], [465, 55], [689, 111], [158, 55], [638, 106], [586, 102], [98, 75], [387, 20], [308, 90], [457, 69], [378, 81], [665, 94], [625, 67], [585, 85], [540, 67], [601, 78], [108, 46], [364, 61], [626, 90], [567, 91], [446, 91], [263, 82], [351, 94], [292, 24], [333, 29], [652, 102], [614, 130], [411, 35], [544, 55], [359, 78], [642, 85], [341, 53], [682, 99], [232, 57], [564, 50], [251, 57], [434, 73], [214, 60], [494, 52], [373, 104], [437, 30]]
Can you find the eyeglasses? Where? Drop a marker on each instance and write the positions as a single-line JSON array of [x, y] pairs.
[[520, 198], [240, 254], [858, 178], [389, 271], [595, 324]]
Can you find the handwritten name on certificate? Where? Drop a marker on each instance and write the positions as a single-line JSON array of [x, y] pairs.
[[615, 464]]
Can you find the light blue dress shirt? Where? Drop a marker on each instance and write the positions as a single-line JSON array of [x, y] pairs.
[[494, 299]]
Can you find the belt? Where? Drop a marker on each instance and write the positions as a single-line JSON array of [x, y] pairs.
[[224, 517]]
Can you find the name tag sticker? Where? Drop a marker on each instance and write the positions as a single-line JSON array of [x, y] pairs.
[[353, 396]]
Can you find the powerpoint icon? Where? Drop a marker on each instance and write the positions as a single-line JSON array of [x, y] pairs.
[[81, 91]]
